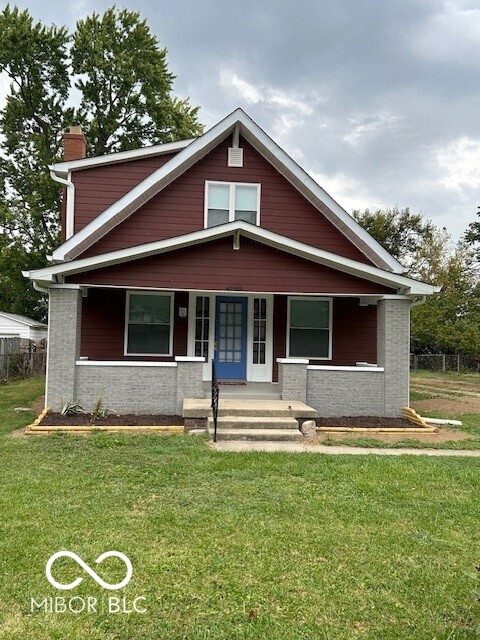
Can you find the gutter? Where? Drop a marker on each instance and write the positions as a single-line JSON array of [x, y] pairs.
[[70, 200]]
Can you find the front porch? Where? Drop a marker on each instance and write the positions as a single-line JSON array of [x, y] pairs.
[[93, 350]]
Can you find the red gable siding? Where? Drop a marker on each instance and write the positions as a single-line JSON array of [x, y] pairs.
[[217, 266], [98, 188], [179, 208]]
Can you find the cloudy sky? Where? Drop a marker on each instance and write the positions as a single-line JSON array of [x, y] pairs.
[[379, 100]]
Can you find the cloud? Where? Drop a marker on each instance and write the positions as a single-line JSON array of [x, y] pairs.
[[365, 125], [460, 160], [302, 104], [452, 35], [348, 192]]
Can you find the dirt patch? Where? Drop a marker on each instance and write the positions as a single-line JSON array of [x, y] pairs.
[[38, 406], [452, 406], [365, 422], [443, 435], [127, 420]]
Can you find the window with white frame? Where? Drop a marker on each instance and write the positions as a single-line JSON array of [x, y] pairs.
[[229, 201], [148, 328], [309, 328]]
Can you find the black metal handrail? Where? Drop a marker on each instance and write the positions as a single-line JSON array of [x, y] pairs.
[[215, 394]]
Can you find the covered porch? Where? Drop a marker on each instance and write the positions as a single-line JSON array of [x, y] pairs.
[[146, 351]]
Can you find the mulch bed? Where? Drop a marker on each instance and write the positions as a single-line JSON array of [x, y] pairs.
[[365, 422], [127, 420]]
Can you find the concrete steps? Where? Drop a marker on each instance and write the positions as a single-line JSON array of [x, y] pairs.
[[257, 419], [255, 435], [254, 428], [254, 422], [195, 408]]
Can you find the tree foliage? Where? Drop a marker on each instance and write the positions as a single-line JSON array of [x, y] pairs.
[[449, 321], [125, 100], [415, 242]]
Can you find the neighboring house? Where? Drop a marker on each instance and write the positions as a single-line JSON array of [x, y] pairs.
[[219, 248], [12, 324]]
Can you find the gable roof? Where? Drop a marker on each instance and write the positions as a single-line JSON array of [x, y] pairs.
[[22, 319], [194, 151], [404, 285]]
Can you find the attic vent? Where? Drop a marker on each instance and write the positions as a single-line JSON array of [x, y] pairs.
[[235, 157]]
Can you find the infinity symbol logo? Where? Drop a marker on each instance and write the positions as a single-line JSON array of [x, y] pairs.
[[91, 572]]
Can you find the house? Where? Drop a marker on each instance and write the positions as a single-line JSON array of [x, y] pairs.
[[222, 249], [13, 325]]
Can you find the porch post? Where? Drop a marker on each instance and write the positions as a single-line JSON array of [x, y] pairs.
[[292, 378], [393, 352], [189, 379], [64, 331]]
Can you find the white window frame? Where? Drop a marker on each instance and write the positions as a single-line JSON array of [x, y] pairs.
[[127, 310], [231, 200], [330, 325]]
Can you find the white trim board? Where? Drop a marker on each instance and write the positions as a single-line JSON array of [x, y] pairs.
[[197, 149], [404, 285], [121, 363], [63, 168]]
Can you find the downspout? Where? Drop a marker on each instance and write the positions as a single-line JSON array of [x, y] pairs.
[[70, 202], [38, 288]]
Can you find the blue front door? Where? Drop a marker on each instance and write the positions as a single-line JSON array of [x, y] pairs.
[[231, 337]]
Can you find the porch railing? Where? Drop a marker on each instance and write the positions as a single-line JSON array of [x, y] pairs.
[[215, 394]]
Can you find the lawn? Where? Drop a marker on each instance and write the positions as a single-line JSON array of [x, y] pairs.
[[236, 546]]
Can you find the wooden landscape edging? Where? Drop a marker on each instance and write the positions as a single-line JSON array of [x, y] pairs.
[[36, 428], [408, 413]]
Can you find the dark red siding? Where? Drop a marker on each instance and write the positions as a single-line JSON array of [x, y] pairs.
[[217, 266], [98, 188], [179, 208], [103, 326], [354, 333]]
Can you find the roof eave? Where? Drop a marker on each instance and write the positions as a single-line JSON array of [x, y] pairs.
[[405, 285]]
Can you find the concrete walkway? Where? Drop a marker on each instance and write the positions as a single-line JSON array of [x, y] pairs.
[[300, 447]]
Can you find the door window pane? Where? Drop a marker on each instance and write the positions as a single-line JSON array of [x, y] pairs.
[[259, 330], [202, 308]]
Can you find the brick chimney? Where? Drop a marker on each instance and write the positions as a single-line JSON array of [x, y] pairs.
[[74, 144], [74, 148]]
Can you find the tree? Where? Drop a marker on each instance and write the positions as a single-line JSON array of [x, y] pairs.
[[449, 321], [126, 86], [416, 243], [125, 102]]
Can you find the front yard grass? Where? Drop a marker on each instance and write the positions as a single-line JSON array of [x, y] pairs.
[[236, 546]]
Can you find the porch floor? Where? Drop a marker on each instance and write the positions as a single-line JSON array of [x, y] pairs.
[[248, 391]]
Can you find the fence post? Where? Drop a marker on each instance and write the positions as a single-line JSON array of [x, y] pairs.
[[458, 363], [415, 362], [8, 364], [443, 363]]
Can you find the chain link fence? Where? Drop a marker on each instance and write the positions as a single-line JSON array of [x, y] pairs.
[[444, 362], [22, 365]]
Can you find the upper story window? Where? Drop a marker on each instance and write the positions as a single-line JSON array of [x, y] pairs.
[[229, 201]]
